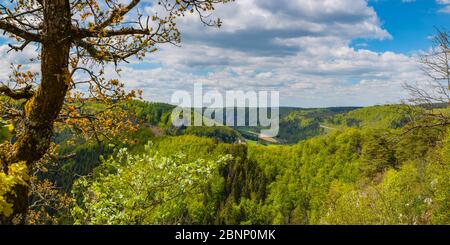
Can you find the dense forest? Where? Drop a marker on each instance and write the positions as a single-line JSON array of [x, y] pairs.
[[78, 145], [365, 167]]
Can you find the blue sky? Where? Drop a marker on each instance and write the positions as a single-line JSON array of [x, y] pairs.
[[410, 24], [316, 53]]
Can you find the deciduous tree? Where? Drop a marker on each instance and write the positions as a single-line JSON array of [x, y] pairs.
[[75, 38]]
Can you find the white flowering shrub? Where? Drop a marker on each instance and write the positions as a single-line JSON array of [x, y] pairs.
[[145, 188]]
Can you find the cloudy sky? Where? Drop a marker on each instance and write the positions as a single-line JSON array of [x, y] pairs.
[[317, 53]]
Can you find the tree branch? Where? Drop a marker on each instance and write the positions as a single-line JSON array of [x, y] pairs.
[[19, 48], [116, 14], [81, 33], [17, 94], [104, 55], [97, 54], [7, 27]]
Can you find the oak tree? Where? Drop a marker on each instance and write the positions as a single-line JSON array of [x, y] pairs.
[[75, 39]]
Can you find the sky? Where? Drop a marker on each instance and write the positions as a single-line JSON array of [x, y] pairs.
[[316, 53]]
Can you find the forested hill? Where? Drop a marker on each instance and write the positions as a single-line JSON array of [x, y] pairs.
[[387, 116], [350, 166], [295, 123]]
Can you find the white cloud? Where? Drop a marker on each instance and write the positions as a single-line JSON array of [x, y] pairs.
[[446, 8], [301, 48], [12, 57]]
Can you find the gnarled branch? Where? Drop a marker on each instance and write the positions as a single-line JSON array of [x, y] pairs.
[[103, 55], [117, 14], [17, 94], [10, 28], [81, 33]]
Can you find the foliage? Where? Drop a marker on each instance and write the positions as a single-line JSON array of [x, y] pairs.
[[17, 173], [386, 116], [223, 134], [9, 175], [49, 204], [373, 175], [76, 39], [410, 195], [150, 113], [155, 191], [301, 124]]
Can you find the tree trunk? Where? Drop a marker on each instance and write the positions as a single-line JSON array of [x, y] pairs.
[[43, 108]]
